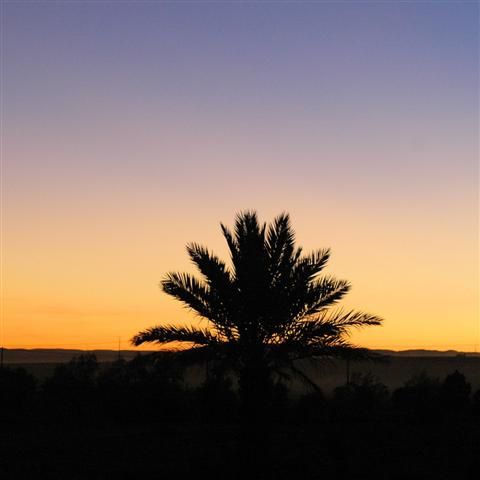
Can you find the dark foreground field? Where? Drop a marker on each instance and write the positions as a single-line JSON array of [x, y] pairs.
[[355, 450], [143, 419]]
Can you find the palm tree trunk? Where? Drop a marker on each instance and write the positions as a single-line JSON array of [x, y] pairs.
[[255, 389], [255, 397]]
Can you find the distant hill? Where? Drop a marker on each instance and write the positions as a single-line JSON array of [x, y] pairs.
[[59, 355], [427, 353]]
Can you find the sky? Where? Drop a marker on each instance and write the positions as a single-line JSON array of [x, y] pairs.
[[132, 128]]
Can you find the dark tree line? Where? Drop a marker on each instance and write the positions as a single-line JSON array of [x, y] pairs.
[[153, 388]]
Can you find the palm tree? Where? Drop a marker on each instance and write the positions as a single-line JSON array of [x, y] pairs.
[[267, 310]]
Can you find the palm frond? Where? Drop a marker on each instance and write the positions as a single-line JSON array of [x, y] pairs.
[[247, 227], [323, 293], [190, 291], [351, 352], [212, 268], [327, 347], [198, 354], [304, 377], [250, 239], [307, 298], [343, 321], [280, 242], [328, 329], [308, 266], [231, 242], [164, 334]]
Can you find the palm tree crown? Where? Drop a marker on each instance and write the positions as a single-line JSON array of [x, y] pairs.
[[269, 308]]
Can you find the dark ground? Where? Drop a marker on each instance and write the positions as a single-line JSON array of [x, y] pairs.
[[386, 450], [410, 418]]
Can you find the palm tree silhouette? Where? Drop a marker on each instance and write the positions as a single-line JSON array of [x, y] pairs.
[[269, 309]]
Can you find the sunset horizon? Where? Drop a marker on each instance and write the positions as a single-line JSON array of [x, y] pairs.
[[182, 316]]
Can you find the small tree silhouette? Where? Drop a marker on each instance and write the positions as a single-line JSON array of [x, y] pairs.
[[419, 398], [456, 392], [267, 310], [476, 403], [17, 393], [364, 397], [148, 387], [69, 393]]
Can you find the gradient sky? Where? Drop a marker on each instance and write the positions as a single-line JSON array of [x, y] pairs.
[[130, 129]]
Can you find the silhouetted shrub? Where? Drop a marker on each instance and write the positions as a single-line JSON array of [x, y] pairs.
[[456, 393], [147, 387], [364, 397], [215, 400], [17, 390], [311, 407], [476, 403], [279, 401], [70, 393], [419, 399]]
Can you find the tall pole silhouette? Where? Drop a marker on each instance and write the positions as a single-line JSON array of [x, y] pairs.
[[348, 370]]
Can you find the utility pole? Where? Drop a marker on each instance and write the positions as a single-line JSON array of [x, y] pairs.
[[1, 358], [348, 370]]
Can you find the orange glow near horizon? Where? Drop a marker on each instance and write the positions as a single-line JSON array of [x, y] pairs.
[[87, 293]]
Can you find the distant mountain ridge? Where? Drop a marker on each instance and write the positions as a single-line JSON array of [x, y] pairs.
[[427, 353], [59, 355]]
